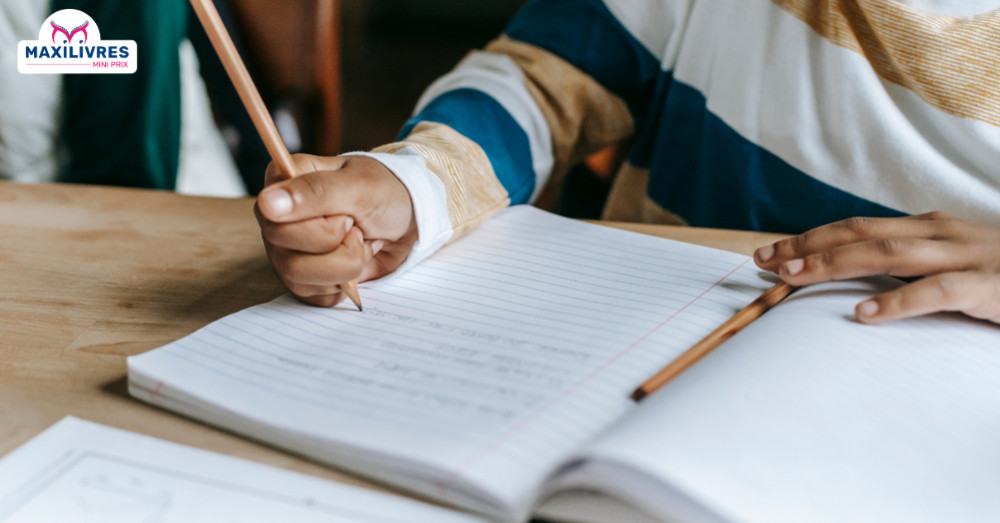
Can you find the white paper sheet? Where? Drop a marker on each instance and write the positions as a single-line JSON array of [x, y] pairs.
[[78, 471], [808, 415]]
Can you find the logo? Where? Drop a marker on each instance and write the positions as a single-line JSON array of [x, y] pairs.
[[69, 42]]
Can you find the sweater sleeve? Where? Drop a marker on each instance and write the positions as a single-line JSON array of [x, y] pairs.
[[565, 80]]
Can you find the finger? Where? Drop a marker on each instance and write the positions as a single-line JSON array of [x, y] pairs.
[[896, 257], [326, 300], [318, 295], [303, 163], [327, 296], [387, 257], [344, 263], [317, 235], [844, 232], [378, 265], [954, 291], [312, 291]]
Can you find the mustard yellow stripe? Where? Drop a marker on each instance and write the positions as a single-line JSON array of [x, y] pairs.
[[583, 117], [951, 63], [474, 192]]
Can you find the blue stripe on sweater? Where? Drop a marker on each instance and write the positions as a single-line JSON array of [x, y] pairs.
[[586, 34], [710, 175], [480, 118]]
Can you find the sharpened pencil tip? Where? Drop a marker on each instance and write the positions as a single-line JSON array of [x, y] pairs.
[[351, 291], [638, 395]]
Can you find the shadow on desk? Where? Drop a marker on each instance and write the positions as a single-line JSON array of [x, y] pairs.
[[185, 302]]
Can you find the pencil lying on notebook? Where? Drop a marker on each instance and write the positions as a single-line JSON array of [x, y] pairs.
[[741, 319], [238, 74]]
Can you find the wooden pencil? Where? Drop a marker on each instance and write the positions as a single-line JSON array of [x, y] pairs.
[[741, 319], [238, 74]]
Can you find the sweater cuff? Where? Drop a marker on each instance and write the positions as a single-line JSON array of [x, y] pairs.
[[429, 198]]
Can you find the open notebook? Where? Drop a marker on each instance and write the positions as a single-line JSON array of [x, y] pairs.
[[496, 374]]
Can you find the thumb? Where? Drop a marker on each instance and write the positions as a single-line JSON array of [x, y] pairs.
[[311, 195]]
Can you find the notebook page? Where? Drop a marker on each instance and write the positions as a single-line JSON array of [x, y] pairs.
[[807, 415], [484, 365], [81, 472]]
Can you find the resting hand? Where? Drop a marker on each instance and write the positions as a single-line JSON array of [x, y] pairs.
[[958, 259], [346, 218]]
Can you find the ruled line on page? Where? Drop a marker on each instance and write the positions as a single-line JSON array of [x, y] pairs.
[[457, 472]]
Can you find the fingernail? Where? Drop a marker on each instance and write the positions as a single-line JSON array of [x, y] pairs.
[[278, 201], [868, 309], [377, 246], [348, 223], [765, 253], [793, 267]]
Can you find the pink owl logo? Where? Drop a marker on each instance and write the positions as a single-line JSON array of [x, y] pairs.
[[56, 29]]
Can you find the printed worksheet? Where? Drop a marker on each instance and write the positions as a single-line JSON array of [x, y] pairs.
[[78, 471]]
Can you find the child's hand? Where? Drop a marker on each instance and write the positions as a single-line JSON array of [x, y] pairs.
[[959, 259], [346, 218]]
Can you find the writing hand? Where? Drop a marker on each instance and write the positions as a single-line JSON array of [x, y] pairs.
[[958, 259], [346, 218]]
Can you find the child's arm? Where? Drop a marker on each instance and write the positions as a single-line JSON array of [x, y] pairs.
[[565, 80], [958, 259]]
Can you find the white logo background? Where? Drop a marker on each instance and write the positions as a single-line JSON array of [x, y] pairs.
[[74, 57]]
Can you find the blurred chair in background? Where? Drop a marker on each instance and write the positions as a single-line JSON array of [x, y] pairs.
[[292, 50]]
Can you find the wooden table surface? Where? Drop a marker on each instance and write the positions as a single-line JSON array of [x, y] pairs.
[[91, 275]]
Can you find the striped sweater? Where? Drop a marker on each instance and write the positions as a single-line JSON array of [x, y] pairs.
[[776, 115]]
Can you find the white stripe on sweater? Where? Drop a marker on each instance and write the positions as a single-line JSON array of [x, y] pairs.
[[821, 108], [500, 78]]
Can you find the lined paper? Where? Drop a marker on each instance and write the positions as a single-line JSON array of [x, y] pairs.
[[807, 415], [485, 365]]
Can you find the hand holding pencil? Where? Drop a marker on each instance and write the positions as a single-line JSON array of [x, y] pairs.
[[317, 212], [347, 218]]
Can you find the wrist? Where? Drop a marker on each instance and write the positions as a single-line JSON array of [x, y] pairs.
[[429, 223]]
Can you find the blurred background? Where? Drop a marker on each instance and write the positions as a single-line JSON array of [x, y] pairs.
[[336, 75], [394, 49], [350, 71], [347, 73]]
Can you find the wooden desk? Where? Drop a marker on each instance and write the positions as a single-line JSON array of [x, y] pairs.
[[91, 275]]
